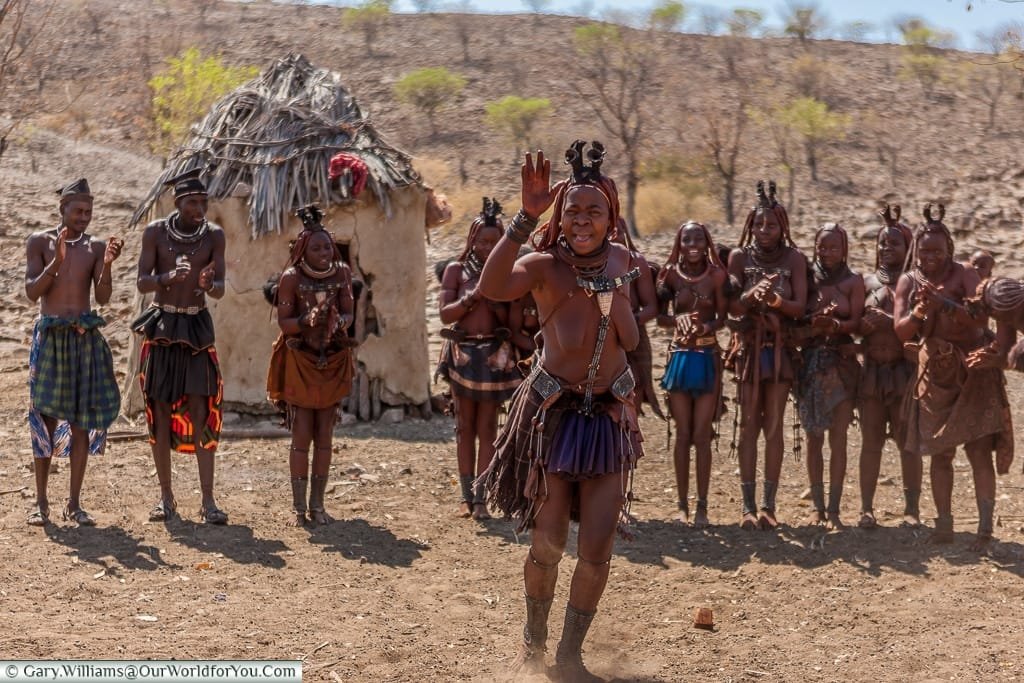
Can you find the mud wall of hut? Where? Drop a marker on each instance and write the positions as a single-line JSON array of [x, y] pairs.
[[388, 255]]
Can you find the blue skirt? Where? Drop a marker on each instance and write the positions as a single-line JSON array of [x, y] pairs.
[[691, 371]]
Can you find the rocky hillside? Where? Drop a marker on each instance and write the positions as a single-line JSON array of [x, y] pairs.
[[107, 49]]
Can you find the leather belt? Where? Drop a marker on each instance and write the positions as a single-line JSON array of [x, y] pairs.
[[187, 310]]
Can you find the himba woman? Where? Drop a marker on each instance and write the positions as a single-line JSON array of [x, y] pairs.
[[959, 395], [827, 380], [572, 439], [644, 301], [771, 275], [312, 364], [477, 360], [692, 284], [885, 374]]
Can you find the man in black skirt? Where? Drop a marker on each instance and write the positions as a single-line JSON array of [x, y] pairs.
[[182, 262]]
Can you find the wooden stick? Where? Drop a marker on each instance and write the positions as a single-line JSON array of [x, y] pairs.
[[364, 395], [10, 491], [375, 398]]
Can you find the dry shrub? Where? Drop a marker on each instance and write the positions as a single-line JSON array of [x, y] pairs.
[[661, 205]]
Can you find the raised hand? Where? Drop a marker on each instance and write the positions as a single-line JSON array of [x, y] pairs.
[[537, 191], [113, 250], [61, 247]]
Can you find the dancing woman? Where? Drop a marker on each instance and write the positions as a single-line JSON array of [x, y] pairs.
[[572, 438]]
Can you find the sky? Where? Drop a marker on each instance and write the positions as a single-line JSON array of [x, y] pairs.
[[949, 15]]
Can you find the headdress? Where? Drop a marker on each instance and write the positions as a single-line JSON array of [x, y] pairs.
[[311, 217], [766, 203], [490, 216], [187, 183], [547, 235], [932, 225], [891, 221], [79, 188]]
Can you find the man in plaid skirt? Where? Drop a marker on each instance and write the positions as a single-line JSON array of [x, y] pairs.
[[74, 396]]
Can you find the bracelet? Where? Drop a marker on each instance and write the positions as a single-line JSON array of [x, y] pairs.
[[918, 318], [53, 275], [520, 227], [776, 302], [836, 324]]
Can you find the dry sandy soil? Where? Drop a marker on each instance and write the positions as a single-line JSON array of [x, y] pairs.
[[397, 589]]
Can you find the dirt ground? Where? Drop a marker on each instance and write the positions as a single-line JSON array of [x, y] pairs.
[[399, 590]]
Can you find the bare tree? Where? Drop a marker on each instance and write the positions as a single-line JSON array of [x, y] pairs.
[[804, 21], [21, 24], [995, 70], [617, 79], [462, 20], [723, 138]]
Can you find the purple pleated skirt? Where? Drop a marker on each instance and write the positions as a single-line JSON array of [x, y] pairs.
[[585, 446]]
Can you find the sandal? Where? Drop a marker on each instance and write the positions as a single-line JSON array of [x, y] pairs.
[[213, 515], [162, 512], [38, 517], [78, 516]]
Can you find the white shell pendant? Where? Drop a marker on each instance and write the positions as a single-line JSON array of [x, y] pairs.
[[180, 259], [604, 302]]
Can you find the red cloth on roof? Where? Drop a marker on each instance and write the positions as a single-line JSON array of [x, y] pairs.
[[342, 162]]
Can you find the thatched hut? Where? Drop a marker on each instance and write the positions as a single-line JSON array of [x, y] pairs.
[[266, 148]]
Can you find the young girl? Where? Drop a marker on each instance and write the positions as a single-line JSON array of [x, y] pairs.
[[312, 363]]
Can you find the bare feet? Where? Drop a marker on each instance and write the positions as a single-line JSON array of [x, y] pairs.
[[867, 520], [980, 544], [465, 510], [298, 520], [766, 521], [748, 522], [833, 522], [816, 518], [480, 512], [942, 537], [682, 516], [700, 520]]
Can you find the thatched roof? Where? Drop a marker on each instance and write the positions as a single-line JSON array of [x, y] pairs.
[[277, 134]]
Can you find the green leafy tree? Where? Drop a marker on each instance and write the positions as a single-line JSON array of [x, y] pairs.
[[744, 22], [428, 90], [186, 88], [804, 22], [814, 125], [667, 15], [516, 117], [923, 60], [616, 76], [369, 18], [741, 24]]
